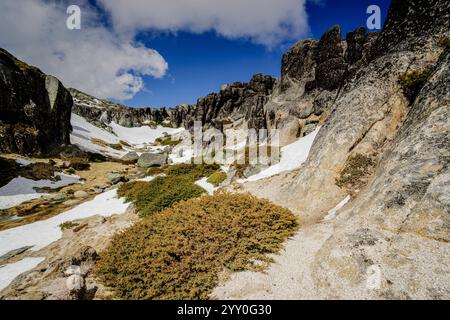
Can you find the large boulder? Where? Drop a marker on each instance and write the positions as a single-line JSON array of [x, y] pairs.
[[147, 160], [35, 109], [130, 157]]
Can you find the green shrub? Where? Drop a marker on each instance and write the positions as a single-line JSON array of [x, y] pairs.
[[158, 194], [167, 141], [355, 172], [217, 178], [192, 171], [412, 83], [179, 253]]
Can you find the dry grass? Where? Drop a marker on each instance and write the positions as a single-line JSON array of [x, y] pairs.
[[100, 142], [217, 178], [179, 253], [357, 168]]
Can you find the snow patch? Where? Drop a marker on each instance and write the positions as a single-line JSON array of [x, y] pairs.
[[206, 185], [42, 233], [20, 189], [10, 271], [332, 213], [291, 158]]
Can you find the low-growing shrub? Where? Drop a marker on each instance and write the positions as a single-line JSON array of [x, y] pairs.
[[160, 193], [179, 253], [193, 172], [355, 172], [412, 83], [153, 171], [167, 141], [217, 178], [39, 171]]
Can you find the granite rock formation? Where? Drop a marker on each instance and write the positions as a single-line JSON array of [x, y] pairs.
[[35, 109]]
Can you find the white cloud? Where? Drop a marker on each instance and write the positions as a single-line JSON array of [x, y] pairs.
[[93, 59], [106, 61], [266, 22]]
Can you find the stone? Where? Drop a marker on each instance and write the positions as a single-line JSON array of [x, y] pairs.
[[147, 160], [72, 270], [114, 177], [131, 157], [75, 284], [35, 110], [80, 194], [57, 197]]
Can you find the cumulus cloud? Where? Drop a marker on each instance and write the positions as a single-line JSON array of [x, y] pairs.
[[266, 22], [93, 59], [106, 61]]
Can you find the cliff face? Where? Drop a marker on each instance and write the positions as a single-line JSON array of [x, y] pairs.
[[397, 219], [35, 109]]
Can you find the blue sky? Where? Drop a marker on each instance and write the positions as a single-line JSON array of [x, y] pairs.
[[154, 53], [201, 63]]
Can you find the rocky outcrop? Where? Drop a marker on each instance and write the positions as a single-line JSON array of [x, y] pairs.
[[102, 112], [35, 109]]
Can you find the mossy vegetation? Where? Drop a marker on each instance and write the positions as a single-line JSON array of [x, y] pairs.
[[162, 192], [412, 83], [158, 194], [178, 253], [67, 225], [357, 168], [217, 178], [193, 172], [167, 141]]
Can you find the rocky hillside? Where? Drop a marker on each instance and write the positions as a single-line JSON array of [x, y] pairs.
[[365, 123], [35, 109]]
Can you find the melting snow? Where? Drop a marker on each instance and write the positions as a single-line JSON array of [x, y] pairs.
[[10, 271], [332, 213], [206, 185], [292, 157], [141, 135], [84, 132], [23, 162], [42, 233], [20, 189]]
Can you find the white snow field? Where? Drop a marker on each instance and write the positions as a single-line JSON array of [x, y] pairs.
[[23, 162], [292, 157], [84, 132], [206, 185], [42, 233], [10, 271], [20, 189]]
